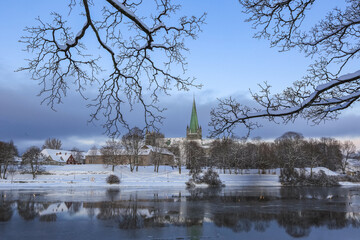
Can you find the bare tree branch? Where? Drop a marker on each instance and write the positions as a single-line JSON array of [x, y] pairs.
[[142, 51], [326, 90]]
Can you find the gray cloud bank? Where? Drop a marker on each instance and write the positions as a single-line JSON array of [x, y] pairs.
[[26, 122]]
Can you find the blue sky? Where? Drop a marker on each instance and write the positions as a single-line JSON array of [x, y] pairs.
[[225, 58]]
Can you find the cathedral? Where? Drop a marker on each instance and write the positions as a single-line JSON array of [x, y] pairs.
[[193, 133]]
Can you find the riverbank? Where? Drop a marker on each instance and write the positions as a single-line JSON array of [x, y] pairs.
[[95, 175]]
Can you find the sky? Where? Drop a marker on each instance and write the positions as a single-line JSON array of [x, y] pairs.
[[225, 58]]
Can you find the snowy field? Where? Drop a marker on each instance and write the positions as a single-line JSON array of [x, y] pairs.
[[95, 175]]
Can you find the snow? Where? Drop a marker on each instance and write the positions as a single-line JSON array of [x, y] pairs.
[[318, 169], [94, 175], [57, 155], [131, 14]]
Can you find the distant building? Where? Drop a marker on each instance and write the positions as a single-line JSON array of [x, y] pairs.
[[146, 156], [58, 157]]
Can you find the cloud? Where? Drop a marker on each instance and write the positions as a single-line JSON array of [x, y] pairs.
[[28, 123]]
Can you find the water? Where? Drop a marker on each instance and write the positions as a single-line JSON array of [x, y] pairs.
[[135, 213]]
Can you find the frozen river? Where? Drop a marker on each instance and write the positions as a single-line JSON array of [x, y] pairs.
[[177, 213]]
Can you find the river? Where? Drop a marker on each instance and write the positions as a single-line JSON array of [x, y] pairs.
[[178, 213]]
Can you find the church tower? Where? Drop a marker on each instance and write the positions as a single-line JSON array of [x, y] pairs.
[[194, 132]]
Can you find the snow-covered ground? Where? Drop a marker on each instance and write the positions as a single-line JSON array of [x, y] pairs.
[[95, 175]]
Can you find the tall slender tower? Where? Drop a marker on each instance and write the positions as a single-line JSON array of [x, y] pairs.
[[194, 131]]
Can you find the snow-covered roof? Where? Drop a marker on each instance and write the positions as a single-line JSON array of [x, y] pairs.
[[57, 155], [148, 148]]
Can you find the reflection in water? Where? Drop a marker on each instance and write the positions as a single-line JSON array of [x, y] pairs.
[[294, 210], [6, 211], [48, 217], [28, 209]]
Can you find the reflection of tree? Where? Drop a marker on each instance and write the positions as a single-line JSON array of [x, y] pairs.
[[108, 211], [229, 220], [28, 210], [294, 223], [297, 231], [6, 211], [48, 218], [74, 208], [261, 226], [131, 219], [90, 209], [112, 193], [203, 193], [243, 225], [242, 221]]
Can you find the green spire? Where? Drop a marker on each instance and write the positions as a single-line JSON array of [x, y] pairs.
[[194, 125]]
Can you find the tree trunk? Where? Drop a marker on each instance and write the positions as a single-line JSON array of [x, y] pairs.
[[137, 162], [32, 170], [113, 168], [5, 168], [131, 164]]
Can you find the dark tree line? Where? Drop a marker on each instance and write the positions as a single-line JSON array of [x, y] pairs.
[[289, 151]]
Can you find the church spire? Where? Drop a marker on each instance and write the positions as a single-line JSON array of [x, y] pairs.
[[194, 131], [194, 124]]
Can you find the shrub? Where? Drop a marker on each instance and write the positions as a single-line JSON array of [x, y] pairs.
[[190, 183], [113, 179], [292, 177], [211, 178], [348, 178]]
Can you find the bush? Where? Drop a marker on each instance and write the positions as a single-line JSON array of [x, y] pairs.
[[113, 179], [348, 178], [291, 177], [210, 178], [190, 183]]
